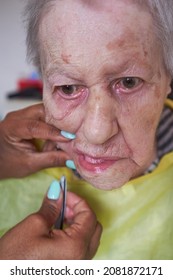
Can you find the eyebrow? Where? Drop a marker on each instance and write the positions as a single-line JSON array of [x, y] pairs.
[[55, 69], [71, 70], [58, 69], [131, 67]]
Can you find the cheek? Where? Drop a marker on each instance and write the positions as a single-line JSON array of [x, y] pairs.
[[139, 124], [58, 107], [63, 114], [140, 138]]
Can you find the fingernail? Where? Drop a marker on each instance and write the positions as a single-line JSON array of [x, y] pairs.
[[68, 135], [70, 164], [54, 190]]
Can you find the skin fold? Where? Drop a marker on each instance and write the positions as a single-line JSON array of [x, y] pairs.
[[105, 81]]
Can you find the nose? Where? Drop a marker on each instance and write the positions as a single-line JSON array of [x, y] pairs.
[[100, 122]]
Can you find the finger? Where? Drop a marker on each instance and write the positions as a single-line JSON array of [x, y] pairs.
[[40, 223], [50, 209], [95, 241], [44, 160], [36, 111], [49, 146], [37, 129], [84, 219]]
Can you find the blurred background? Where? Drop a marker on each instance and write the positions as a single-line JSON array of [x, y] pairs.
[[14, 68]]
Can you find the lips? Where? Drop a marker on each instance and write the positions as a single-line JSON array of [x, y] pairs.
[[95, 164], [93, 160]]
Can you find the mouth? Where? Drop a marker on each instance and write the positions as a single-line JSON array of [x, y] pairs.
[[95, 164]]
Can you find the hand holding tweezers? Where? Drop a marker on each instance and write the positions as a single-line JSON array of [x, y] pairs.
[[60, 220]]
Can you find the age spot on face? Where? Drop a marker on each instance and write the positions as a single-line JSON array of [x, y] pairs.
[[66, 58], [113, 44]]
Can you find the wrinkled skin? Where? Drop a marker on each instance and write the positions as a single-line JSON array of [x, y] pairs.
[[19, 156], [94, 46], [36, 240]]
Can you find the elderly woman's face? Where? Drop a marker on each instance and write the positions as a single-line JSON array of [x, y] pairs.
[[104, 81]]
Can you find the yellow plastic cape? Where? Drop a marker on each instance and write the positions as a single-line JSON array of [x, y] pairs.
[[137, 219]]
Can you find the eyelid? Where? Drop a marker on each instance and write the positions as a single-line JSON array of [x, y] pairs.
[[127, 77], [126, 89], [65, 85], [80, 90]]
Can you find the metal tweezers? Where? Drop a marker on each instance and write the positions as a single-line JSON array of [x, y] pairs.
[[60, 220]]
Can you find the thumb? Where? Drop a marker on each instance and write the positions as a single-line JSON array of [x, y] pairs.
[[51, 206], [49, 159]]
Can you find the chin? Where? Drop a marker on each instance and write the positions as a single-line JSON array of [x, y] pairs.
[[114, 177], [106, 183]]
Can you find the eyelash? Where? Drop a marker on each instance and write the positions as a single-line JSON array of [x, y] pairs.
[[78, 90], [116, 86]]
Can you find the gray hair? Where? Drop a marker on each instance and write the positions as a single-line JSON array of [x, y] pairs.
[[33, 13], [161, 11]]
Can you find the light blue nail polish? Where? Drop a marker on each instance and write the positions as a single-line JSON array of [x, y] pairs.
[[54, 190], [70, 164], [68, 135]]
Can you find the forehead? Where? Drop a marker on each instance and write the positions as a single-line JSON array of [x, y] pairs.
[[67, 14], [83, 27]]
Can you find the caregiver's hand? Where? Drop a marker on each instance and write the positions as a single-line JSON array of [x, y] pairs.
[[18, 154], [34, 239]]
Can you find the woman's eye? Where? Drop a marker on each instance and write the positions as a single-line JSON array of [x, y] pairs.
[[127, 84], [68, 89], [130, 82]]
